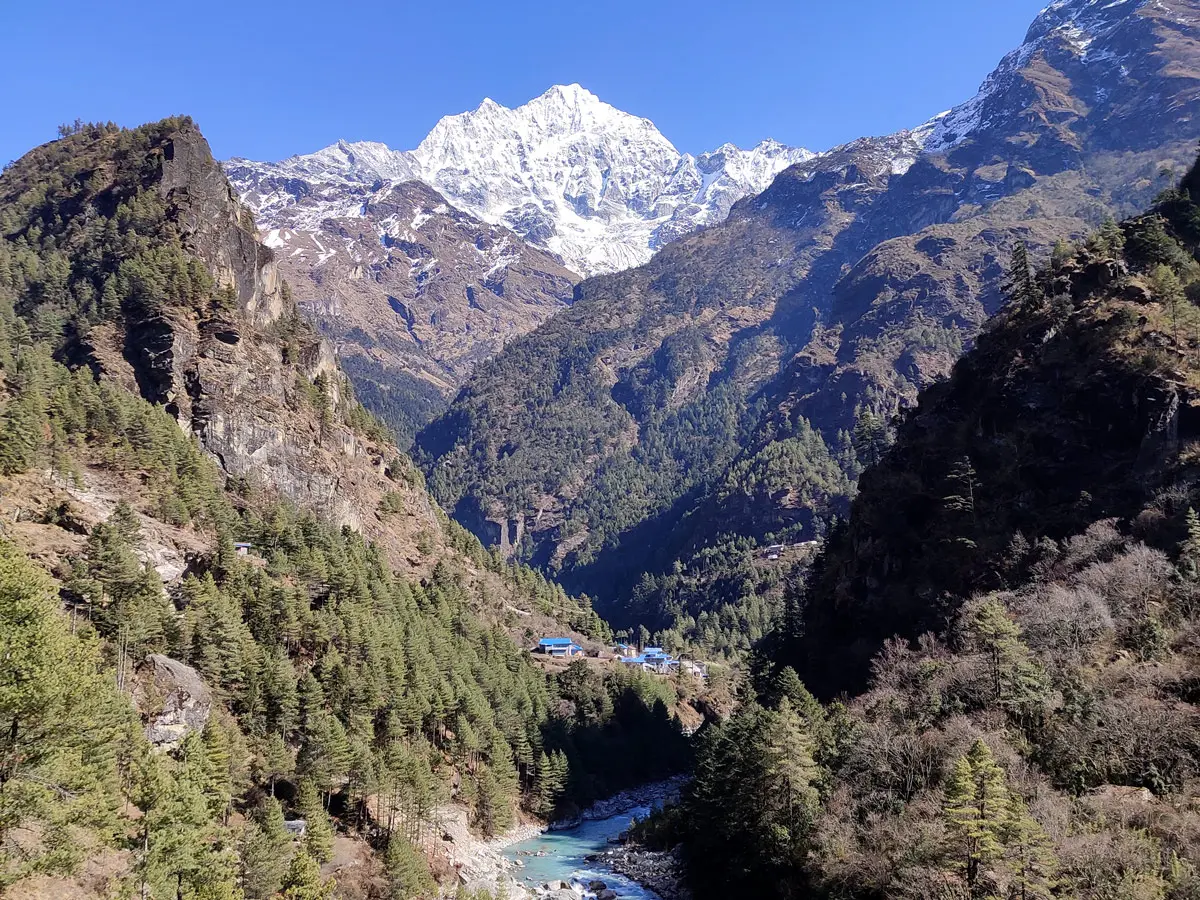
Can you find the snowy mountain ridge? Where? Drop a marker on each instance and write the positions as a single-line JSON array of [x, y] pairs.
[[569, 173], [603, 189], [1084, 25]]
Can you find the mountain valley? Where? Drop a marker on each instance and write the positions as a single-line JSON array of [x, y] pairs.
[[823, 304], [768, 523], [262, 603]]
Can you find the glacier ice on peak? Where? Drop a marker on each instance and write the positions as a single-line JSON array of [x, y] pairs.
[[566, 171]]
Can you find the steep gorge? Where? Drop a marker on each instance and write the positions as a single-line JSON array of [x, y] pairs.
[[853, 281]]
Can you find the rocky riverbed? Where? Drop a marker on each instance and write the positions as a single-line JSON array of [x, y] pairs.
[[661, 872], [593, 889], [647, 795], [570, 859]]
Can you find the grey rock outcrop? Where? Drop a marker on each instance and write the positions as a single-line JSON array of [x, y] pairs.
[[172, 699], [243, 370], [217, 228], [661, 872]]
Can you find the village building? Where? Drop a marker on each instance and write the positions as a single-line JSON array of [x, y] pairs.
[[559, 647], [659, 662], [297, 828]]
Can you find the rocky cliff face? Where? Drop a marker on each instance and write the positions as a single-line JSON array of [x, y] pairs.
[[240, 369], [856, 278], [217, 229]]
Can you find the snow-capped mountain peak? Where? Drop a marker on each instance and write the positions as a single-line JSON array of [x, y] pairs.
[[566, 171], [1090, 29]]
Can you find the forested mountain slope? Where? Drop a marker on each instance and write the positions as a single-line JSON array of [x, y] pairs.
[[1009, 619], [711, 397], [136, 261], [225, 596], [1077, 404]]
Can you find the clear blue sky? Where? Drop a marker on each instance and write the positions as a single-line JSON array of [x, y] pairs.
[[268, 80]]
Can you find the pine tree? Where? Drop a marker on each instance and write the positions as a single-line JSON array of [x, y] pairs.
[[275, 760], [788, 685], [504, 772], [261, 869], [1114, 235], [20, 435], [363, 781], [1168, 290], [1189, 551], [1023, 289], [311, 699], [140, 615], [324, 403], [550, 782], [976, 811], [492, 811], [176, 825], [265, 851], [1061, 252], [407, 870], [125, 522], [280, 690], [218, 767], [304, 882], [318, 833], [59, 720], [746, 806], [270, 818], [961, 484], [1109, 238], [1018, 683], [1029, 853], [791, 775], [870, 438], [218, 635], [218, 878], [325, 755]]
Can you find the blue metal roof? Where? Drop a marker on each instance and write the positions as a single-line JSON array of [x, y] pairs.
[[649, 659], [555, 642]]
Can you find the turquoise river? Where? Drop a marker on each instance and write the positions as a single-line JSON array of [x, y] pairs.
[[561, 855]]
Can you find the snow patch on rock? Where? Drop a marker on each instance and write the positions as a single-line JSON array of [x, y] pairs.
[[1080, 24]]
